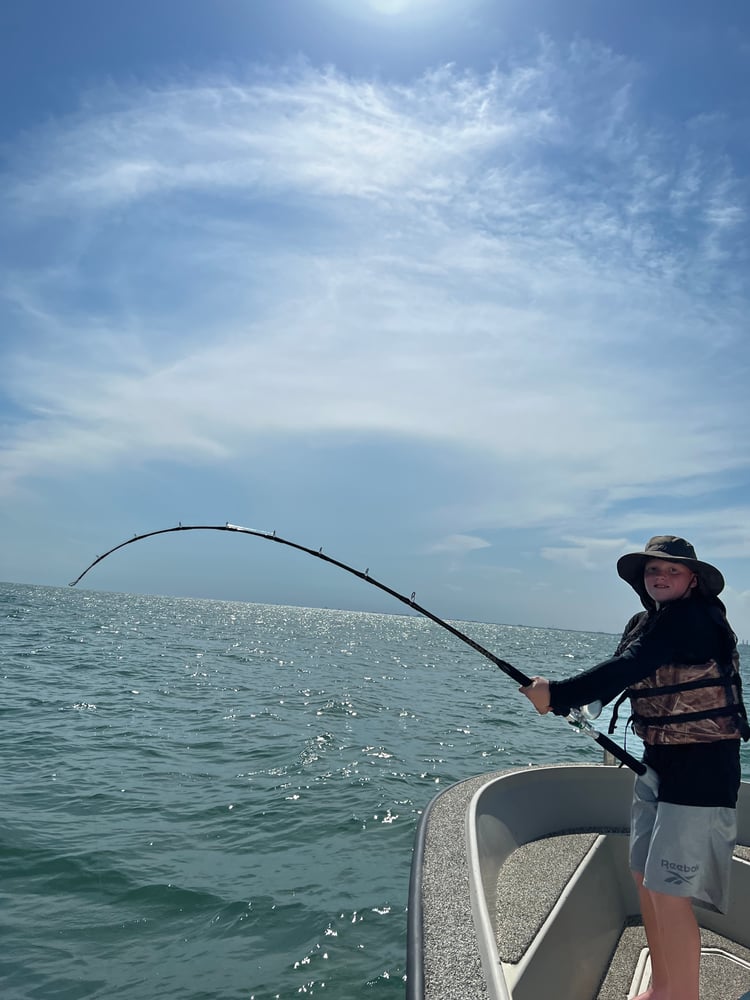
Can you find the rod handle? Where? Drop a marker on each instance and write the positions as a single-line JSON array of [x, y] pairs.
[[622, 755]]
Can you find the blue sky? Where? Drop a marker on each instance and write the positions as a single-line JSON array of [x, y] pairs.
[[456, 290]]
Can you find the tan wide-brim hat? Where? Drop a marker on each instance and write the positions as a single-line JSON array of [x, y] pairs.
[[630, 567]]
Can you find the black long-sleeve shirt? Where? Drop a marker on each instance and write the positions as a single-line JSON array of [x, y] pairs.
[[679, 632], [697, 774]]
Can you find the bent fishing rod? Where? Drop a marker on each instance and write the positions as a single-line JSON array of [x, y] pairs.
[[578, 718]]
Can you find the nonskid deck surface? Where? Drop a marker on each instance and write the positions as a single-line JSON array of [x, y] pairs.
[[528, 886]]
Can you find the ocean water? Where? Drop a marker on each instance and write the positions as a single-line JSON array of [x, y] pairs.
[[207, 800]]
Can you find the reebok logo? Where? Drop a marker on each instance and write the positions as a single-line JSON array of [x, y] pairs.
[[679, 874]]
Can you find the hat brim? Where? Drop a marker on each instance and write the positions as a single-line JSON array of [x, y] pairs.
[[630, 569]]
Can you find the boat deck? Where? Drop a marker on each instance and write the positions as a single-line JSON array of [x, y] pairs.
[[725, 966], [441, 924]]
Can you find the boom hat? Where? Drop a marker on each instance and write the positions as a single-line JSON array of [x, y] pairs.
[[630, 567]]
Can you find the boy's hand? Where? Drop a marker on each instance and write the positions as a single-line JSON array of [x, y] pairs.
[[538, 694]]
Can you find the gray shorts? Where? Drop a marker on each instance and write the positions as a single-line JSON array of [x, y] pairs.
[[681, 850]]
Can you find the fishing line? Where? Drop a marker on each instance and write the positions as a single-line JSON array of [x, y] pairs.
[[578, 718]]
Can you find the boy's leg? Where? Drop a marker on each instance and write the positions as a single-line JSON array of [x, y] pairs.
[[643, 818], [674, 945], [680, 943], [659, 988]]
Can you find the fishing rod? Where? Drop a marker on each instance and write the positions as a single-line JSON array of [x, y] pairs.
[[578, 718]]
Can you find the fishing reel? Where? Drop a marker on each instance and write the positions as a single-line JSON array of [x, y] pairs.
[[591, 711]]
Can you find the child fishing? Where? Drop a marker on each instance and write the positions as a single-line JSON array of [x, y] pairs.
[[677, 662]]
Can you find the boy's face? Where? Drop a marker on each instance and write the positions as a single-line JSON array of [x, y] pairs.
[[668, 581]]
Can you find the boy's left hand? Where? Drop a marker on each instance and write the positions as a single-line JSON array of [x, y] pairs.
[[538, 694]]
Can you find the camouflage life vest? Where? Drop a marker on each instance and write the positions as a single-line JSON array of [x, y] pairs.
[[686, 703], [680, 703]]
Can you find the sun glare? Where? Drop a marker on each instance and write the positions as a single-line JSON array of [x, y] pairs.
[[402, 8], [396, 6]]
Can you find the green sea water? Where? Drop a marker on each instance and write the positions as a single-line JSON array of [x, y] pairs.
[[207, 800]]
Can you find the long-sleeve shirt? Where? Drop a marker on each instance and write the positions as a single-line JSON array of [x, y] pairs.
[[679, 632], [699, 774]]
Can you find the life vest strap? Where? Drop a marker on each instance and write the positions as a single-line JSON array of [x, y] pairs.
[[704, 682], [647, 721]]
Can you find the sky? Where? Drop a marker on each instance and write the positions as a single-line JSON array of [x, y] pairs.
[[456, 290]]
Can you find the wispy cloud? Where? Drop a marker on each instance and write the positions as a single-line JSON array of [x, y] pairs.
[[586, 553], [457, 544], [515, 265]]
